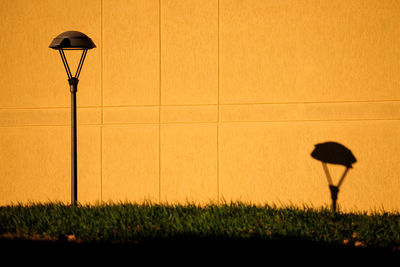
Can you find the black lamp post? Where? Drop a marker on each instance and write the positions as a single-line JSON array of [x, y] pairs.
[[73, 40]]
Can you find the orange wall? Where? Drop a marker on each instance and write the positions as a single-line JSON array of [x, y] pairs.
[[203, 101]]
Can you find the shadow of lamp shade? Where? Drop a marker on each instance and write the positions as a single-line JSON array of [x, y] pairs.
[[334, 153], [73, 40]]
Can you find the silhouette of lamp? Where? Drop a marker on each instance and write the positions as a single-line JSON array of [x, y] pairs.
[[73, 40], [334, 153]]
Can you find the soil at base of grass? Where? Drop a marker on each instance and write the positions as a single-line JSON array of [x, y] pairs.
[[195, 247]]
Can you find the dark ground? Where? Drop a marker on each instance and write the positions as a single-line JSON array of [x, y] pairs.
[[192, 250]]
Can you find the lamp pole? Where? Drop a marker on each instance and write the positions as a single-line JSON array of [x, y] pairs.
[[73, 82], [73, 40]]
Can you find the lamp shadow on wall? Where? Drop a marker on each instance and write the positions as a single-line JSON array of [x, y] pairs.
[[334, 153]]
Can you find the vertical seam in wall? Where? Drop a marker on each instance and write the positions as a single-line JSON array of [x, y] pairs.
[[159, 102], [102, 104], [218, 86]]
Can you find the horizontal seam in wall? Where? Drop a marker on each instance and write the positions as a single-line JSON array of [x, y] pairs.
[[310, 102], [156, 123], [49, 108], [163, 105], [194, 122], [201, 105], [321, 120], [46, 125], [99, 107]]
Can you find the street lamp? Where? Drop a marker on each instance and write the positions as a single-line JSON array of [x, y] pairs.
[[73, 40]]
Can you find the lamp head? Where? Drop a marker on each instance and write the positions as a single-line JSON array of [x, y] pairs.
[[72, 40]]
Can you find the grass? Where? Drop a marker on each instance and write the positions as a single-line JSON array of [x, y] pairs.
[[126, 223]]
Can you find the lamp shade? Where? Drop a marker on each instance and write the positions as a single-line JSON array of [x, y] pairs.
[[72, 40]]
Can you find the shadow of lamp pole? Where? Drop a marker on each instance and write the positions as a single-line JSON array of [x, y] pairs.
[[334, 153]]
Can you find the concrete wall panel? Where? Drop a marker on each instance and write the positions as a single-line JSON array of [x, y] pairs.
[[131, 52], [35, 164], [189, 49], [130, 163], [313, 51], [189, 163], [270, 162], [32, 74]]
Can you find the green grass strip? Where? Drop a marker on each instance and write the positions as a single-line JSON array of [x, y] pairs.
[[125, 222]]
